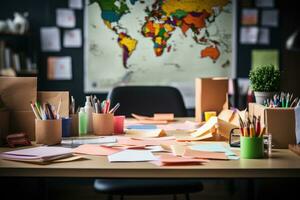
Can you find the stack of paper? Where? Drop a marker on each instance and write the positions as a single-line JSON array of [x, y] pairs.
[[38, 154]]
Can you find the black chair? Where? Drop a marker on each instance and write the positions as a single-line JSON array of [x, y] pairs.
[[146, 100]]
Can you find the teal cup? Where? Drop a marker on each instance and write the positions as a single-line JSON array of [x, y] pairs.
[[252, 147]]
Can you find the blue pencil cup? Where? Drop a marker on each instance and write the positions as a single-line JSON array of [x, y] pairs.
[[66, 127]]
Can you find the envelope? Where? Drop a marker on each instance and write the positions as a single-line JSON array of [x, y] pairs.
[[17, 92], [53, 98]]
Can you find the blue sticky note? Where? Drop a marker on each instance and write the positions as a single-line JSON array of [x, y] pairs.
[[147, 126]]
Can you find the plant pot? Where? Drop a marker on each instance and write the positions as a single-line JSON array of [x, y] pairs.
[[261, 96]]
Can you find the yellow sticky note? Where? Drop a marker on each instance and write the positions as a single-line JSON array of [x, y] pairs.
[[209, 114], [265, 57]]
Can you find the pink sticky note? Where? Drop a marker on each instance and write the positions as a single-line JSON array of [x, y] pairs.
[[168, 159], [119, 124], [94, 149]]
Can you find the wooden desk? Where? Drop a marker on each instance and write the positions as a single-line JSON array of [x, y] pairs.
[[283, 163]]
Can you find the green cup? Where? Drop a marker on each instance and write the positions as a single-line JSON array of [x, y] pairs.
[[252, 147]]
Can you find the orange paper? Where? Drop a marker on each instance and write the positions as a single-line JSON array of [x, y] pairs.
[[94, 149], [167, 159]]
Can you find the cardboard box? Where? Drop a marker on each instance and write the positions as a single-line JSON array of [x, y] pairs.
[[4, 126], [23, 121], [280, 122], [211, 95], [53, 97], [17, 92]]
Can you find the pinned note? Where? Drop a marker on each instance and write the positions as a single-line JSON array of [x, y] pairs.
[[50, 39], [72, 38], [59, 68], [65, 18]]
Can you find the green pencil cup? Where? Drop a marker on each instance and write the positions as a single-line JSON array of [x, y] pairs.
[[252, 147]]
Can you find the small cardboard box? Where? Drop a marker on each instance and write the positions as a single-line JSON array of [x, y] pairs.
[[4, 126], [211, 95], [280, 122], [23, 121]]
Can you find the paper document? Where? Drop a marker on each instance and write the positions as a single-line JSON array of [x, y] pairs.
[[93, 149], [50, 39], [132, 156], [269, 18], [72, 38], [264, 36], [249, 35], [141, 126], [134, 142], [65, 18], [59, 68], [38, 154], [75, 4]]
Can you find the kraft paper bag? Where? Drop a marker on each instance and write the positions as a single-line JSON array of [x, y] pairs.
[[211, 95], [17, 92], [4, 125], [23, 121], [53, 97]]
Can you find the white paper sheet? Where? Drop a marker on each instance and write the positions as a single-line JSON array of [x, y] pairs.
[[59, 68], [80, 141], [72, 38], [75, 4], [50, 39], [37, 153], [264, 36], [65, 18], [249, 35], [132, 156], [269, 18]]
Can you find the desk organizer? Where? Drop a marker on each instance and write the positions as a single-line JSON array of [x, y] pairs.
[[48, 132], [103, 124]]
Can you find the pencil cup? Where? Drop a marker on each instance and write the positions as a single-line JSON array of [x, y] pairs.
[[103, 124], [66, 124], [4, 124], [252, 147], [119, 124], [48, 132]]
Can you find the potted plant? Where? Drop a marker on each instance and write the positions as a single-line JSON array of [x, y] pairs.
[[264, 81]]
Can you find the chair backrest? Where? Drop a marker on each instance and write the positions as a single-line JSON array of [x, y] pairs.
[[147, 100]]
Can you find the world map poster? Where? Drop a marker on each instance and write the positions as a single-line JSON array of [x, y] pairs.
[[156, 42]]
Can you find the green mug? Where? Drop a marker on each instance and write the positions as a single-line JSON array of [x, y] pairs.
[[252, 147]]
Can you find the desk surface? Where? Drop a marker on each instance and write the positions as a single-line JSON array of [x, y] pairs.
[[283, 163]]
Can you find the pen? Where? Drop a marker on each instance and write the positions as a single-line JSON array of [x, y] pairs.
[[114, 108], [58, 109], [37, 116]]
